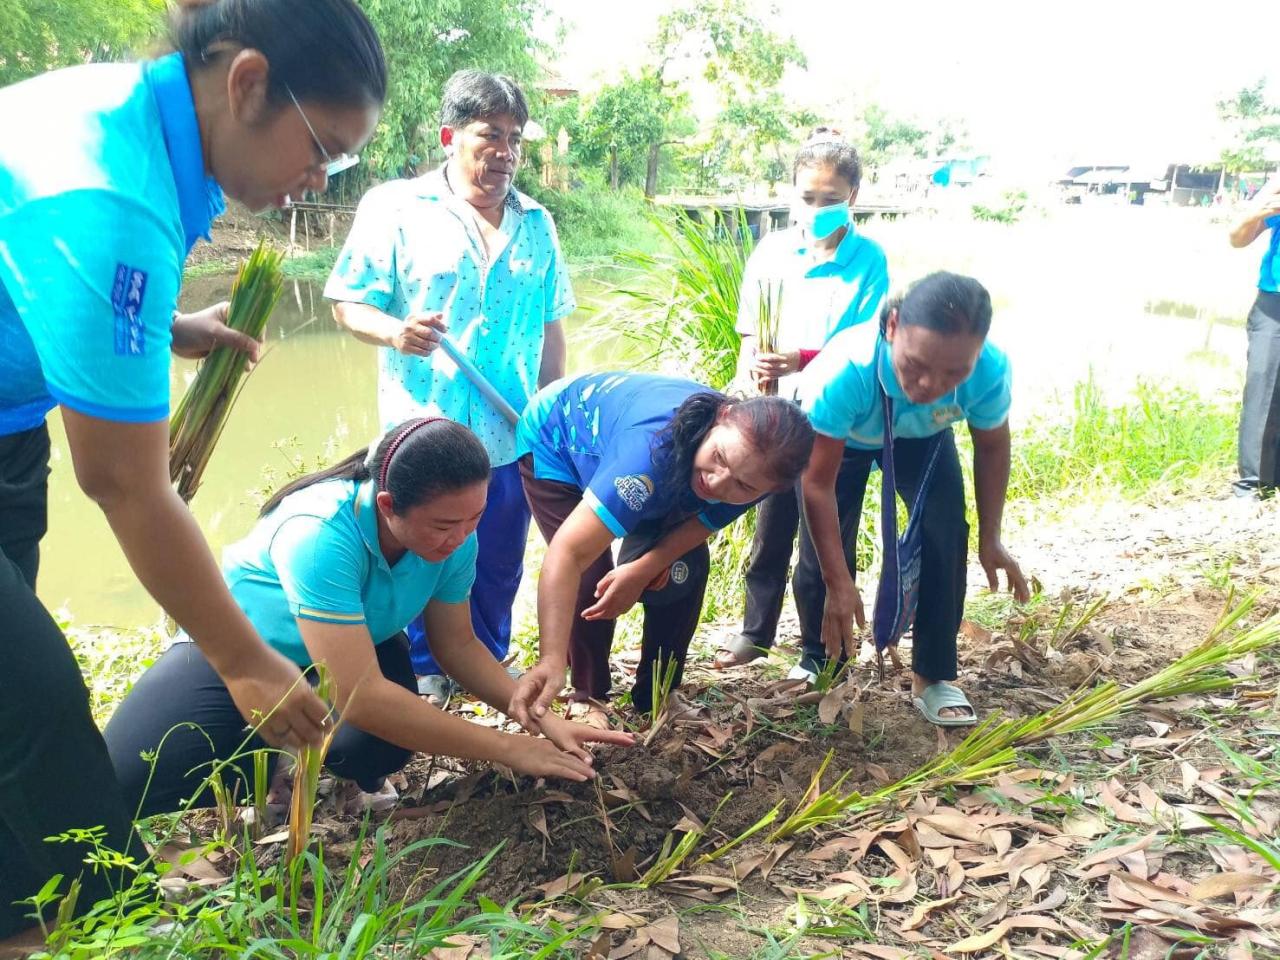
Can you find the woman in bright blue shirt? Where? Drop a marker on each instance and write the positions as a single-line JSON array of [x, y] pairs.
[[930, 357], [821, 276], [1259, 441], [335, 569], [661, 463], [108, 175]]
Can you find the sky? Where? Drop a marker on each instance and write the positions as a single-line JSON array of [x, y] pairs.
[[1039, 85]]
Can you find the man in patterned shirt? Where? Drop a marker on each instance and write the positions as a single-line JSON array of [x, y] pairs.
[[461, 252]]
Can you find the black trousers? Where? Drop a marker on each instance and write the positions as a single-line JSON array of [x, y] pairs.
[[942, 563], [181, 714], [55, 775], [671, 614], [1259, 448], [777, 520]]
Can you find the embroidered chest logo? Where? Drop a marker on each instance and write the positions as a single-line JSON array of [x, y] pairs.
[[634, 490], [127, 293], [947, 414]]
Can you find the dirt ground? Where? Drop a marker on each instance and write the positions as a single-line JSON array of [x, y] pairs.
[[1128, 589]]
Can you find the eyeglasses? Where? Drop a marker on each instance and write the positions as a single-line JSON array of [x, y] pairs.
[[331, 164]]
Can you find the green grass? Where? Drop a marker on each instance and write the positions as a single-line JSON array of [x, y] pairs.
[[360, 908], [596, 224], [1165, 440]]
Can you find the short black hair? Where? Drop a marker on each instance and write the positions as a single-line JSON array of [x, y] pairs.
[[322, 50], [472, 95], [945, 302], [827, 147]]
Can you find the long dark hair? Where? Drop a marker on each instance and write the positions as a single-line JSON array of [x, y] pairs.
[[415, 462], [776, 428], [944, 302], [322, 50]]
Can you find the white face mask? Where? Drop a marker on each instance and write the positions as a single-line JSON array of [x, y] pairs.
[[820, 222]]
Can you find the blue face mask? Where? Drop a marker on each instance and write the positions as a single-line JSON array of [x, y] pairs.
[[820, 222]]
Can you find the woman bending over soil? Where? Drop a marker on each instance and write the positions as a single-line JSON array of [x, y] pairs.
[[337, 566]]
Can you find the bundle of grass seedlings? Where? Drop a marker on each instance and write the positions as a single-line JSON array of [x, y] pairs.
[[770, 312], [197, 424]]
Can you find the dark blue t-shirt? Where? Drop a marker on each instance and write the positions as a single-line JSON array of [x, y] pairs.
[[600, 433]]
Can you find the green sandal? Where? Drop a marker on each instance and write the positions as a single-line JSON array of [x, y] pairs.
[[937, 697]]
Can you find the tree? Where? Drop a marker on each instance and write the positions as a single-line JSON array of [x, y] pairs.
[[621, 122], [737, 51], [886, 138], [1252, 125], [425, 42], [756, 130], [40, 35]]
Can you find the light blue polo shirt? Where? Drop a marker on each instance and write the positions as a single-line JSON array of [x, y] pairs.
[[601, 433], [840, 392], [316, 557], [414, 248], [102, 194], [820, 295], [1269, 281]]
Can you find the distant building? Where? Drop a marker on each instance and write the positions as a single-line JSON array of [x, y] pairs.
[[1176, 184]]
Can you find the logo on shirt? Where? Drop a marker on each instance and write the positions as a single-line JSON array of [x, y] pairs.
[[679, 572], [127, 292], [634, 490], [947, 414]]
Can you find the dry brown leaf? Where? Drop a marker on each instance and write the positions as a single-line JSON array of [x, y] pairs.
[[665, 933], [999, 840], [999, 910], [599, 949], [895, 853], [905, 892], [910, 843], [538, 820], [1225, 884], [617, 921], [939, 857], [1115, 853], [954, 824], [1190, 775], [623, 866], [1036, 877], [1056, 898], [829, 705], [954, 877], [629, 948], [562, 885], [922, 911], [554, 796], [982, 941], [1086, 826], [460, 948], [855, 717], [1122, 811], [713, 882], [879, 774], [878, 952]]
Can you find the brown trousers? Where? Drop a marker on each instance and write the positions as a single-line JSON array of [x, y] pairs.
[[671, 614]]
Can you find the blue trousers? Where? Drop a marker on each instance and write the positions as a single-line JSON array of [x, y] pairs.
[[501, 538]]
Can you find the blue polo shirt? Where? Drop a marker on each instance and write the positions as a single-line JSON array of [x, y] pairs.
[[316, 557], [600, 432], [102, 194], [415, 248], [1269, 281], [818, 295], [840, 392]]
